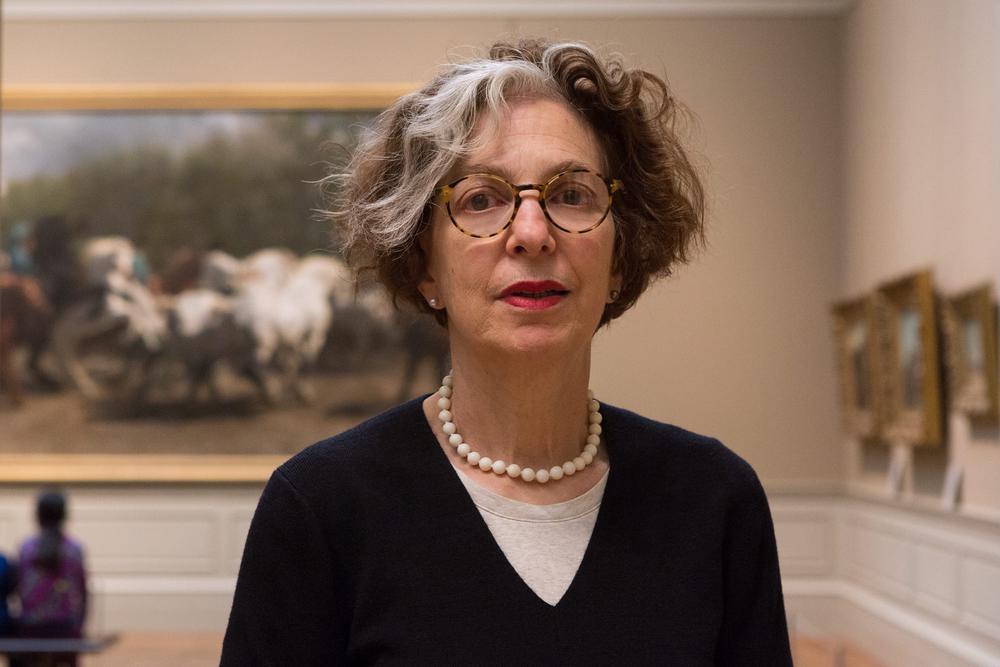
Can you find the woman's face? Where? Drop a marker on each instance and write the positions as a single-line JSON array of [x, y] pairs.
[[533, 287]]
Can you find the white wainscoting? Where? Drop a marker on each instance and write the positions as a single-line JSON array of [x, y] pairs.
[[911, 587], [926, 584]]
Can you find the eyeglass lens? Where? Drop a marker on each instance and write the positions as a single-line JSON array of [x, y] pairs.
[[482, 204]]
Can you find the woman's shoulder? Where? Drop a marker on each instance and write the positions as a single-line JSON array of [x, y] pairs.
[[371, 445], [659, 445]]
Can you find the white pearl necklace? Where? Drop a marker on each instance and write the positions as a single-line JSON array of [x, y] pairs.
[[512, 470]]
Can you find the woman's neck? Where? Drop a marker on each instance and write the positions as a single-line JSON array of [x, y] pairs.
[[519, 410]]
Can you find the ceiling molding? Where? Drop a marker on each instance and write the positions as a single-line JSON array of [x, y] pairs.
[[111, 10]]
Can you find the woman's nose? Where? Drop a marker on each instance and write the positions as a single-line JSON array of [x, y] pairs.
[[530, 231]]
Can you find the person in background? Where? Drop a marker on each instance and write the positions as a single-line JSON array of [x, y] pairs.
[[7, 579], [52, 578]]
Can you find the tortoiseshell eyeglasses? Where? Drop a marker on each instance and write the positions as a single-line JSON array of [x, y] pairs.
[[483, 205]]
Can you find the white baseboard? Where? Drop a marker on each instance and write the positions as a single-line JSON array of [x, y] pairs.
[[901, 617]]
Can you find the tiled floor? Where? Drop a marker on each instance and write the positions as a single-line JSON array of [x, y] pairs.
[[811, 652], [160, 650], [202, 650]]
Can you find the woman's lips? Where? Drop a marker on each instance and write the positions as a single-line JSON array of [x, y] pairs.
[[534, 295]]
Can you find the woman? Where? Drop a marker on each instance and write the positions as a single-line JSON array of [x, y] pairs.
[[524, 200], [52, 579]]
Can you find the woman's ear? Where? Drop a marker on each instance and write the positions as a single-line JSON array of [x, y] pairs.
[[428, 289], [427, 286], [614, 287]]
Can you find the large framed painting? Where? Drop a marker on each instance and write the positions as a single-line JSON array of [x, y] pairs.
[[857, 348], [971, 345], [173, 307], [912, 362]]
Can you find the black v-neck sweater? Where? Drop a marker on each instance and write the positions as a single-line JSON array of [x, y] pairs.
[[367, 549]]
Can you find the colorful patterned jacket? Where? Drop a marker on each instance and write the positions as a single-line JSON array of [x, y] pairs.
[[52, 598]]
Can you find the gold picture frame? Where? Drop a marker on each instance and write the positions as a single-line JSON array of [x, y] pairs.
[[970, 325], [911, 363], [169, 467], [197, 97], [857, 348]]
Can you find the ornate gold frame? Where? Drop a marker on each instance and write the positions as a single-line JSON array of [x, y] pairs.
[[858, 419], [977, 397], [139, 468], [149, 97], [923, 425]]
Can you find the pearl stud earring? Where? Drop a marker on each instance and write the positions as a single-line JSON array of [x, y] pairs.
[[433, 303], [614, 294]]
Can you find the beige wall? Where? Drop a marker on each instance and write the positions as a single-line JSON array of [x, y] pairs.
[[922, 182], [736, 345]]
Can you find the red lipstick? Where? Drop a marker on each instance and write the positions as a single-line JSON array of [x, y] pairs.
[[534, 295]]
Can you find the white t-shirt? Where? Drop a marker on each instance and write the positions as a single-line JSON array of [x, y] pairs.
[[544, 543]]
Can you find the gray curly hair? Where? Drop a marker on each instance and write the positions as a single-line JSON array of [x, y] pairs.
[[383, 201]]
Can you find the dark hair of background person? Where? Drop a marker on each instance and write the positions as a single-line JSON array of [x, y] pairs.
[[51, 513]]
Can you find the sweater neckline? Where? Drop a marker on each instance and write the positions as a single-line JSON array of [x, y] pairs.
[[441, 472], [518, 510]]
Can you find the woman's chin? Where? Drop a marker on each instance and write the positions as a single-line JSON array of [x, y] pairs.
[[547, 339]]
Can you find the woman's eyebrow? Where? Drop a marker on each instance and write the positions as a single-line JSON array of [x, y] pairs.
[[503, 172], [481, 168]]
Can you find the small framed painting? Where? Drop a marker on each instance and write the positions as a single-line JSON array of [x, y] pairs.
[[911, 364], [971, 346], [856, 337]]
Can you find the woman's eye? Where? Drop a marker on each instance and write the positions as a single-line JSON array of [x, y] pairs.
[[481, 200], [572, 197]]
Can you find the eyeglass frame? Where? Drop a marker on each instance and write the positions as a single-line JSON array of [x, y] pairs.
[[444, 193]]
